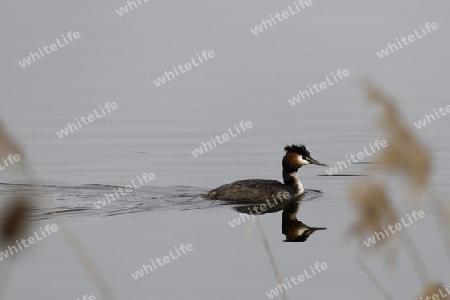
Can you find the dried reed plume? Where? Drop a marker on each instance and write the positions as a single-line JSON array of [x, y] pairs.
[[404, 156], [374, 210], [17, 208], [407, 156], [14, 221], [430, 290]]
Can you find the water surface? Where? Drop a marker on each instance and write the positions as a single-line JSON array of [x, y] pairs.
[[155, 129]]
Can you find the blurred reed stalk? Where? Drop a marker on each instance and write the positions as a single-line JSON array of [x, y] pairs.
[[442, 213], [374, 279], [15, 220], [14, 224], [271, 257]]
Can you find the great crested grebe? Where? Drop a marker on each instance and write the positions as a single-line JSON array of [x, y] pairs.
[[258, 190]]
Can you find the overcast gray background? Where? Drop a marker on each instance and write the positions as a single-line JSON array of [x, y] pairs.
[[155, 128]]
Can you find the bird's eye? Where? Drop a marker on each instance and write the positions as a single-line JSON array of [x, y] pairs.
[[303, 157]]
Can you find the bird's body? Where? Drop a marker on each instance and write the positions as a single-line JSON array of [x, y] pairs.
[[253, 190]]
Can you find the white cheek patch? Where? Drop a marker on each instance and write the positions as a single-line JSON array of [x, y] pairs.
[[301, 161], [300, 231]]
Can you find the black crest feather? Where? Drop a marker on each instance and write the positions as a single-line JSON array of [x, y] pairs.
[[297, 148]]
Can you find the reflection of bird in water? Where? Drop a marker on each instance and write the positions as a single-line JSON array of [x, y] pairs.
[[293, 229]]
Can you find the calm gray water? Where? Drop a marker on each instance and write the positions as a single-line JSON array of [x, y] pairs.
[[154, 129]]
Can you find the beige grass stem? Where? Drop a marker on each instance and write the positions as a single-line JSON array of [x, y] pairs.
[[270, 254], [373, 279]]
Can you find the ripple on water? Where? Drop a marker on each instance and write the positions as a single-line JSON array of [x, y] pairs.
[[79, 200]]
